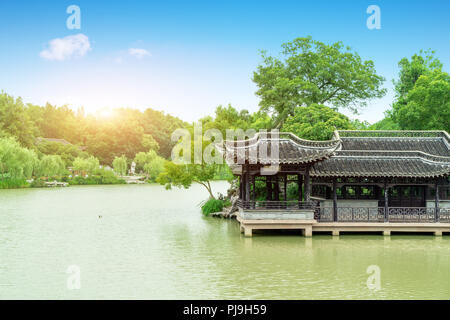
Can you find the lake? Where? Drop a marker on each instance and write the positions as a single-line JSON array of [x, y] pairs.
[[144, 242]]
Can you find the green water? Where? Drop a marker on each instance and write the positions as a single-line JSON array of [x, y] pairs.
[[154, 244]]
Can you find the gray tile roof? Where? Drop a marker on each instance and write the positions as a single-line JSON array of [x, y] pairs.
[[291, 150], [388, 154], [356, 153]]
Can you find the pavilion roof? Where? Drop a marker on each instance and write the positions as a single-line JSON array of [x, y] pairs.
[[353, 153], [388, 154], [291, 149]]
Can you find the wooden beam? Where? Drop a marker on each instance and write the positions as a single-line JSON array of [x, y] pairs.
[[285, 186]]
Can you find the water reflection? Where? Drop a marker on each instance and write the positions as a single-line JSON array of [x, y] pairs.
[[154, 244]]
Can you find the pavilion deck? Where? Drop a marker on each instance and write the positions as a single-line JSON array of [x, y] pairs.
[[284, 215]]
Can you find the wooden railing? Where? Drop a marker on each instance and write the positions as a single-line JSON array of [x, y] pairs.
[[377, 214], [276, 205]]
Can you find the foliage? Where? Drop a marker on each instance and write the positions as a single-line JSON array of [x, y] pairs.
[[410, 71], [102, 177], [385, 124], [37, 183], [316, 122], [68, 152], [211, 206], [427, 105], [16, 162], [87, 165], [50, 166], [15, 121], [142, 158], [12, 183], [180, 175], [154, 168], [120, 165], [315, 73]]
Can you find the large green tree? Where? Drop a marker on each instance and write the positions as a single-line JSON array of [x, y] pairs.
[[16, 162], [15, 121], [427, 105], [313, 72], [316, 122], [422, 94]]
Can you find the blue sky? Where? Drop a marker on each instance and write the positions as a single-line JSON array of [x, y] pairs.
[[195, 55]]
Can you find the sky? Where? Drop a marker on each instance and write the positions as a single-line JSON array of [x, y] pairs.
[[187, 57]]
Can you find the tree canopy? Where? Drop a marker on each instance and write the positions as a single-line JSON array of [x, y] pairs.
[[427, 105], [312, 72], [316, 122]]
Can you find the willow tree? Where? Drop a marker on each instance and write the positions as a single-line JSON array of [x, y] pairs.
[[16, 162], [311, 72]]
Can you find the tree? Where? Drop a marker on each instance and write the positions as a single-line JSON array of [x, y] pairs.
[[120, 165], [89, 165], [68, 152], [50, 165], [184, 175], [385, 124], [421, 95], [143, 158], [315, 73], [14, 120], [427, 105], [154, 168], [16, 162], [316, 122], [410, 71]]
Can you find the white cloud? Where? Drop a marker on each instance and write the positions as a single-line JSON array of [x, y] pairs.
[[138, 53], [65, 48]]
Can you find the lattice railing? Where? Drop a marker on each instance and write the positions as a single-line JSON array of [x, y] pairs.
[[377, 214]]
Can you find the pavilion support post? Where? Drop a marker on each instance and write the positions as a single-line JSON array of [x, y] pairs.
[[277, 189], [386, 201], [253, 192], [269, 188], [300, 191], [335, 209], [285, 186], [247, 187], [240, 186], [307, 186], [436, 202]]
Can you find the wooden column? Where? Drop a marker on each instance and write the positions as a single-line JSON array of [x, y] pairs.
[[386, 201], [285, 186], [269, 188], [300, 187], [253, 194], [436, 202], [240, 186], [247, 187], [307, 186], [335, 209], [277, 189]]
